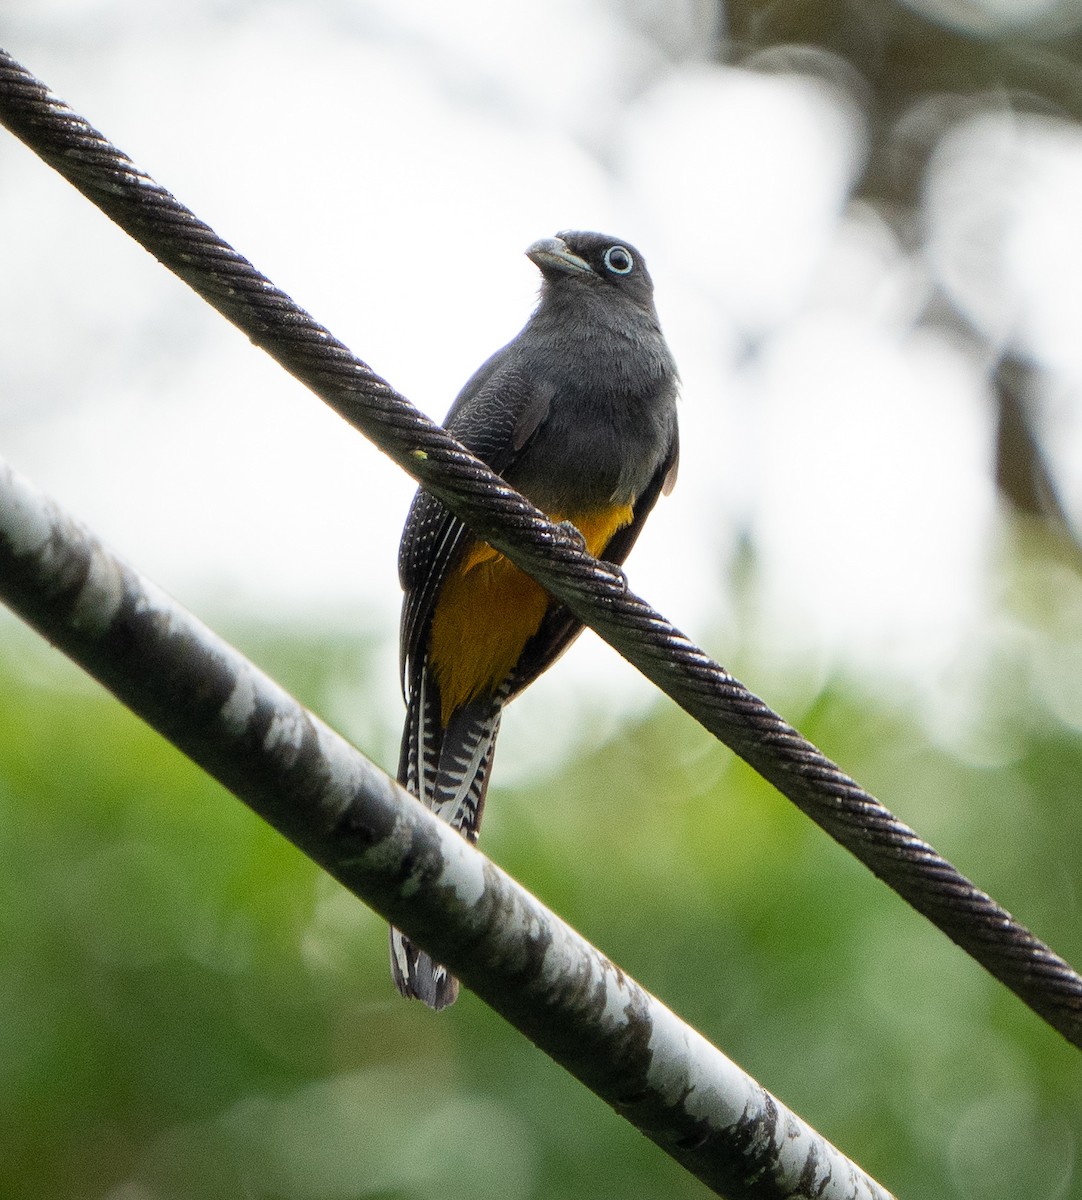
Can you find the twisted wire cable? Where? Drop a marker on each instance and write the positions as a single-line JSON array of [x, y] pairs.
[[596, 593]]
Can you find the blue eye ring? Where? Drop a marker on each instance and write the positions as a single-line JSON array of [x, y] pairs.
[[618, 260]]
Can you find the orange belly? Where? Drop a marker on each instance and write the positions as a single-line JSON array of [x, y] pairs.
[[488, 610]]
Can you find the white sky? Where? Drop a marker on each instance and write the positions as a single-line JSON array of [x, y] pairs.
[[387, 163]]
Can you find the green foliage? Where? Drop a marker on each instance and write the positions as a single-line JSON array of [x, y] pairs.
[[189, 1009]]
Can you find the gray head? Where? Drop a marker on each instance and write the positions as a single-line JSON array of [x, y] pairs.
[[574, 261]]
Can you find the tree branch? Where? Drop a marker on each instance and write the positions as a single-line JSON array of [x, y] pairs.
[[412, 868]]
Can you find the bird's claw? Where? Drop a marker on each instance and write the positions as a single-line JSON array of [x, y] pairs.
[[574, 533], [619, 577]]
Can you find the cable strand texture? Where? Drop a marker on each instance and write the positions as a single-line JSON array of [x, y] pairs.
[[595, 592]]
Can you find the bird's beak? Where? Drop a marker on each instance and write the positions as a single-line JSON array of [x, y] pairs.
[[551, 255]]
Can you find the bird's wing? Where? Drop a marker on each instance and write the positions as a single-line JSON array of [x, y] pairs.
[[495, 416], [560, 627]]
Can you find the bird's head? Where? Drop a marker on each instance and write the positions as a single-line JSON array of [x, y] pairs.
[[574, 259]]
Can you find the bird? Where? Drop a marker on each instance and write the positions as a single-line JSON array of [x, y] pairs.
[[578, 412]]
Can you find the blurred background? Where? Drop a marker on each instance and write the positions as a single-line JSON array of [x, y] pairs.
[[862, 221]]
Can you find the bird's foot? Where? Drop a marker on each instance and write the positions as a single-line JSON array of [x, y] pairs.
[[574, 533]]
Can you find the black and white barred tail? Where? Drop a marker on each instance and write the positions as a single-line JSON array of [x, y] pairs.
[[448, 770]]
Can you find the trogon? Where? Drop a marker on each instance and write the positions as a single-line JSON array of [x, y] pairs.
[[578, 413]]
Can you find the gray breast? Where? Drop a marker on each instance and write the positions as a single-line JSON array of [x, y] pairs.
[[612, 415]]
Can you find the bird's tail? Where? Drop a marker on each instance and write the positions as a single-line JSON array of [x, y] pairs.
[[448, 769], [418, 977]]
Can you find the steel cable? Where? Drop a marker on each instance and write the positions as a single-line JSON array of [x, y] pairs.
[[595, 592]]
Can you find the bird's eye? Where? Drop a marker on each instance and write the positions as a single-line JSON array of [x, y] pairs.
[[618, 260]]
